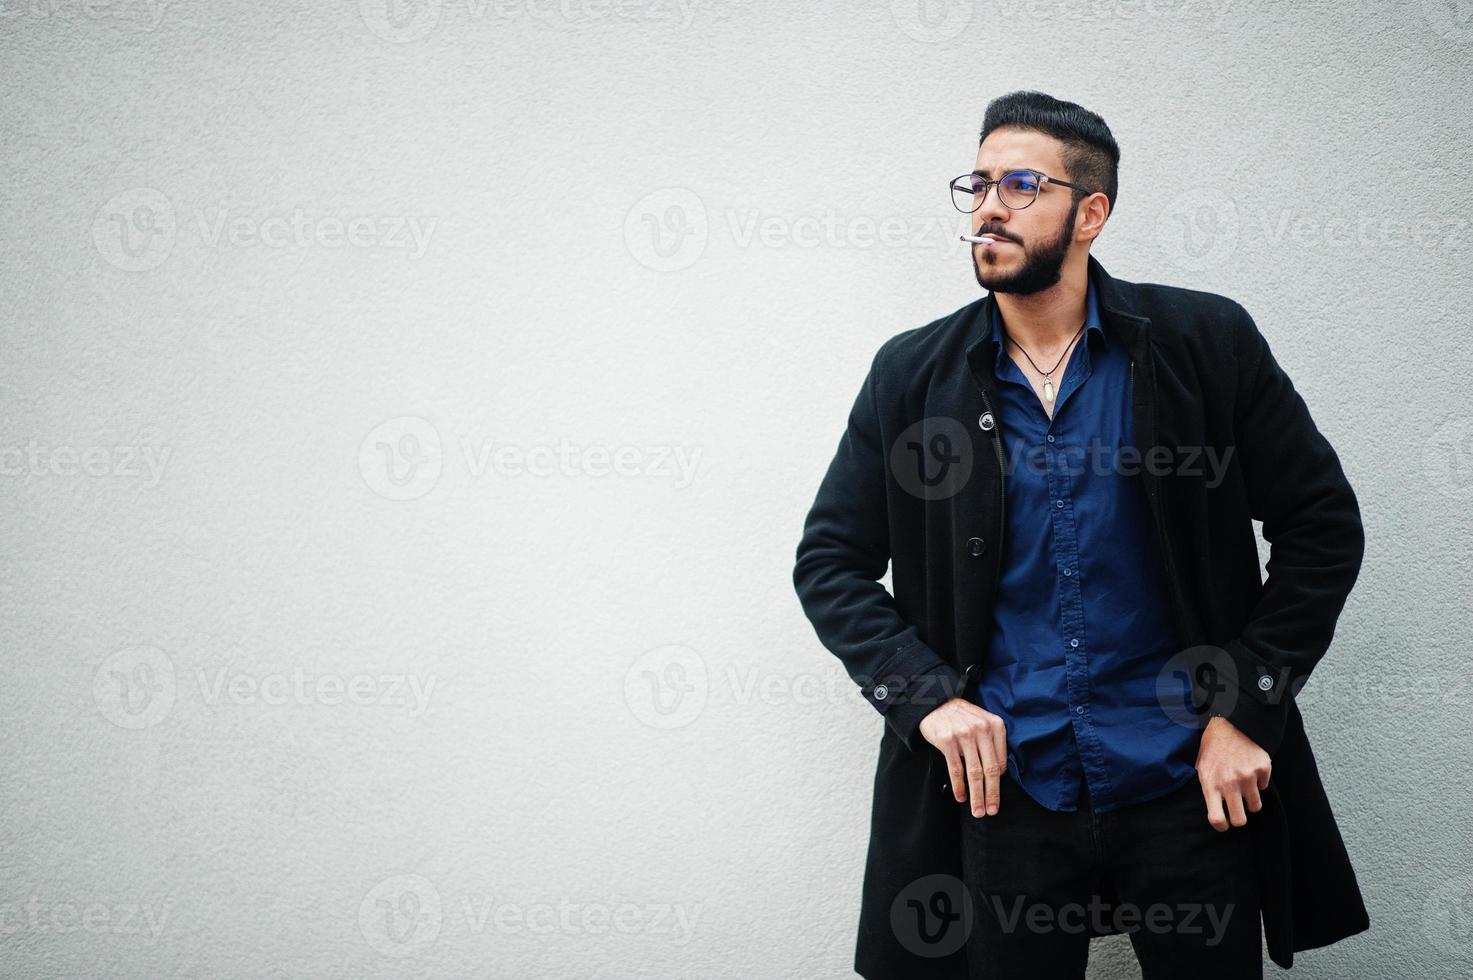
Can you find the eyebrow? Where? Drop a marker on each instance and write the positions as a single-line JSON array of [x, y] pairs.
[[988, 173]]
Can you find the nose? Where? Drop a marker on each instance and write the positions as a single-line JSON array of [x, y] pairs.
[[991, 210]]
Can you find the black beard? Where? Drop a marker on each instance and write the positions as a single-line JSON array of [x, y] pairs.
[[1042, 266]]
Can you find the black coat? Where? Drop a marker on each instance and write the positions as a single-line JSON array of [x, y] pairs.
[[1203, 380]]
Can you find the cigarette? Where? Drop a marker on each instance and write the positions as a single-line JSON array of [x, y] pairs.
[[979, 239]]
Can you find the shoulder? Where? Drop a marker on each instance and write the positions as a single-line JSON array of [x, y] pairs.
[[912, 353], [1212, 329]]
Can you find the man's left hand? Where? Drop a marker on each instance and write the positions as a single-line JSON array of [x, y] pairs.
[[1231, 769]]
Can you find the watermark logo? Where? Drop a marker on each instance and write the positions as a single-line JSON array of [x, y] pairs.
[[400, 916], [1198, 229], [933, 916], [1195, 683], [667, 687], [667, 230], [1447, 457], [1449, 19], [932, 458], [135, 688], [1100, 916], [400, 21], [401, 458], [931, 21], [135, 231], [145, 919]]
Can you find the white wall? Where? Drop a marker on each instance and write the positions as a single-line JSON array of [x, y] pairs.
[[241, 444]]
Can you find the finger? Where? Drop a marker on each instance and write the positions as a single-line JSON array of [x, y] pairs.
[[1264, 776], [989, 770], [1252, 798], [1000, 746], [1237, 816], [1214, 808], [957, 773], [976, 784]]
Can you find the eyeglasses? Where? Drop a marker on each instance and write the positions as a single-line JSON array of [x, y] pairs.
[[1016, 189]]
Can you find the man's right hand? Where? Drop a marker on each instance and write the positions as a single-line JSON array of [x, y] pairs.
[[975, 744]]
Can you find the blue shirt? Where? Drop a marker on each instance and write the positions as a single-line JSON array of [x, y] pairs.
[[1082, 623]]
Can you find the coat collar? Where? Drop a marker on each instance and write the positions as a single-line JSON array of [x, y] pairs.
[[1117, 305], [1092, 327]]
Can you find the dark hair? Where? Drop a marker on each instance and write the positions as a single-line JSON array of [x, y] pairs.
[[1090, 153]]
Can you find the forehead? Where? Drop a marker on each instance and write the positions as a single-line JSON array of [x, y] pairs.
[[1014, 149]]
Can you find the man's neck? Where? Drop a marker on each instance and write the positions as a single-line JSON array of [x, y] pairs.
[[1045, 322]]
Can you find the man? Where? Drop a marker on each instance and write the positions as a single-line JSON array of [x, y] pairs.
[[1087, 685]]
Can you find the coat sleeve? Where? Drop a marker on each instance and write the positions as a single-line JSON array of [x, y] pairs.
[[843, 552], [1296, 487]]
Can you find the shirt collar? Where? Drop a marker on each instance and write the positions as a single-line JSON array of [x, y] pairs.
[[1092, 325]]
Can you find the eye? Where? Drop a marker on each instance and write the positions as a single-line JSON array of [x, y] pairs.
[[1022, 181]]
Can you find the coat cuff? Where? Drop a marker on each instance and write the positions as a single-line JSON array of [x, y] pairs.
[[1261, 708], [913, 684]]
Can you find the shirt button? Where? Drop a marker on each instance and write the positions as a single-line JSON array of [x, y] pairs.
[[881, 692], [1068, 572], [1074, 642], [985, 422], [1079, 710], [1058, 503], [975, 546], [1265, 682], [1050, 438]]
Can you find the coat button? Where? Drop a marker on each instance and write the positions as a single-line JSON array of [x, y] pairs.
[[985, 421], [1265, 682], [881, 692], [976, 546]]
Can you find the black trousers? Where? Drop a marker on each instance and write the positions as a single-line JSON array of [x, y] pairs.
[[1041, 883]]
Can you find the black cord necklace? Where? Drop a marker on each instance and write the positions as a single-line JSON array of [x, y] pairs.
[[1048, 384]]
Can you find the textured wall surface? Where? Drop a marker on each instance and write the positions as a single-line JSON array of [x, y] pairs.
[[408, 410]]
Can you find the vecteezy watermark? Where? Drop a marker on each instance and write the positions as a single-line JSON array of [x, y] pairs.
[[667, 687], [1101, 458], [1447, 916], [403, 21], [934, 21], [671, 686], [402, 459], [138, 229], [1447, 457], [1449, 19], [674, 462], [137, 688], [674, 923], [1195, 683], [1205, 680], [933, 915], [1101, 916], [141, 15], [1200, 229], [147, 919], [225, 686], [668, 230], [932, 459], [1390, 690], [406, 233], [403, 915], [120, 461]]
